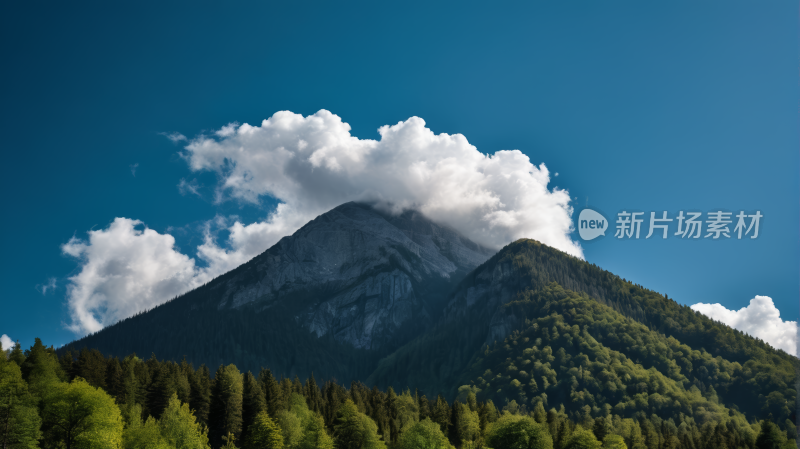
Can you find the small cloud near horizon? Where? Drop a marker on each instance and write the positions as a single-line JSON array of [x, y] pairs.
[[760, 319]]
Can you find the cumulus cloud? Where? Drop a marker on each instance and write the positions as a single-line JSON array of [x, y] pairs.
[[125, 268], [312, 164], [5, 342], [760, 319], [133, 168], [128, 268]]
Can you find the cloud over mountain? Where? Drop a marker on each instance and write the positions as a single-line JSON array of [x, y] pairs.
[[759, 319], [312, 164]]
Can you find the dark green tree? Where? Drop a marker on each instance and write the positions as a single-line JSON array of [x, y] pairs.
[[225, 411], [253, 402], [200, 397], [769, 437]]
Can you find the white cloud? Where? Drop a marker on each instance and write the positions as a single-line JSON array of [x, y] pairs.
[[125, 269], [5, 342], [133, 168], [128, 268], [760, 319], [312, 164]]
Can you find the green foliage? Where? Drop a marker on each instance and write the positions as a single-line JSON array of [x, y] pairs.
[[614, 442], [147, 435], [355, 430], [264, 433], [225, 411], [769, 437], [81, 416], [19, 419], [180, 427], [517, 432], [424, 434], [583, 439]]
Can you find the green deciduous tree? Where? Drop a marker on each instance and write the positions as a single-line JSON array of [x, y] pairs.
[[582, 439], [79, 416], [769, 437], [518, 432], [180, 427], [612, 441], [425, 434], [355, 430], [19, 419], [264, 433]]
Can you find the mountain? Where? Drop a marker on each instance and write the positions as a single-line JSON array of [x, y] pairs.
[[343, 291], [358, 294], [535, 325]]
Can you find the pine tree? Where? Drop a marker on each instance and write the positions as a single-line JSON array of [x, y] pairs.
[[253, 402], [161, 389], [272, 391], [225, 411], [424, 408], [91, 367], [114, 385], [200, 396], [313, 395], [16, 355], [441, 414]]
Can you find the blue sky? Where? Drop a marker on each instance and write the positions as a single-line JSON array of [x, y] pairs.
[[639, 106]]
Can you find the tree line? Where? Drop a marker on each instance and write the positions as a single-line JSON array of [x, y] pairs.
[[86, 400]]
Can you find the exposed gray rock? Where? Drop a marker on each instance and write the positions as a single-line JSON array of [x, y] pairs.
[[357, 273]]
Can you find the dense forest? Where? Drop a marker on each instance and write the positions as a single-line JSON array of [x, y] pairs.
[[87, 400], [563, 331]]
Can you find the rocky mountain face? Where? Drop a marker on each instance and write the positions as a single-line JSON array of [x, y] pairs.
[[360, 274]]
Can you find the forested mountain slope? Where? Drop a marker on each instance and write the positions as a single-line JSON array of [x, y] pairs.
[[533, 324], [347, 288]]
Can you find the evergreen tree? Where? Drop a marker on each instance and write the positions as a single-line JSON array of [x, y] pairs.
[[272, 391], [313, 395], [16, 355], [264, 434], [200, 396], [114, 384], [161, 389], [91, 367], [225, 411], [424, 408], [253, 401], [441, 414]]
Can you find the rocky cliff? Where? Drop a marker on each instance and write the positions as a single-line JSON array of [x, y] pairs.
[[360, 274]]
